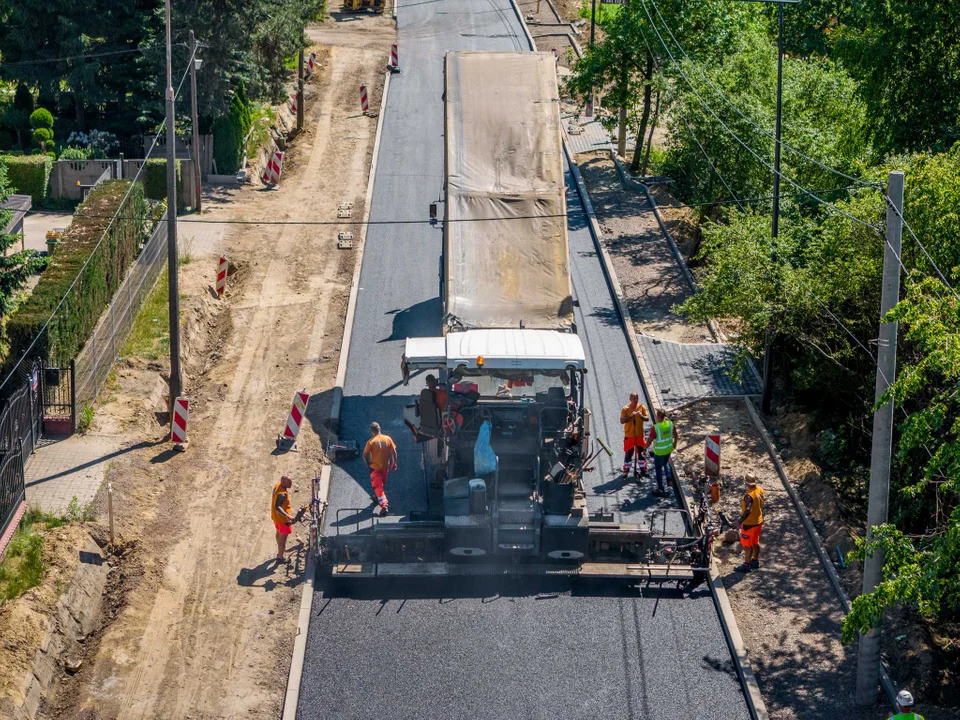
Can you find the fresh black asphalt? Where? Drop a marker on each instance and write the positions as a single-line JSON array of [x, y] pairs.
[[468, 650]]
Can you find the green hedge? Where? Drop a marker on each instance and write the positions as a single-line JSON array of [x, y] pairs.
[[78, 316], [28, 174], [155, 180]]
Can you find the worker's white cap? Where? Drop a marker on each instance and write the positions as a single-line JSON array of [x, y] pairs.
[[904, 698]]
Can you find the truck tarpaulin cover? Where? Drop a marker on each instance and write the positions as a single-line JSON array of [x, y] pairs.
[[505, 235]]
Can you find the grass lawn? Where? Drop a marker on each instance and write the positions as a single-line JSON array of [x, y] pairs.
[[150, 336]]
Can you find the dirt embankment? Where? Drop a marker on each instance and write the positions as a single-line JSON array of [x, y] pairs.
[[208, 629]]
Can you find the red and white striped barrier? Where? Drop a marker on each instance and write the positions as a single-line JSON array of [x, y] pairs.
[[221, 276], [178, 425], [364, 103], [711, 465], [295, 418], [311, 61], [394, 58], [271, 173], [293, 103]]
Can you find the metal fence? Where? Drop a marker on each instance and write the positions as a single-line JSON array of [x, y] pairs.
[[98, 356], [21, 421]]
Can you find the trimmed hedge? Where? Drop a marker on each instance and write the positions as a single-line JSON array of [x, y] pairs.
[[28, 174], [155, 182], [78, 316]]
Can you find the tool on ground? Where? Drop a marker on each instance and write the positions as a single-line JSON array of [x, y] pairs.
[[574, 474], [288, 439], [178, 423], [343, 450]]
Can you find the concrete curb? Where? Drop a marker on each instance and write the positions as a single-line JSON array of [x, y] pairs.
[[886, 682], [337, 396], [292, 698]]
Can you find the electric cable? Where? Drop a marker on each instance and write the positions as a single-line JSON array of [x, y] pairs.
[[736, 109], [103, 235]]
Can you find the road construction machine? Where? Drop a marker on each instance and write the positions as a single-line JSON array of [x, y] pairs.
[[375, 6], [503, 425]]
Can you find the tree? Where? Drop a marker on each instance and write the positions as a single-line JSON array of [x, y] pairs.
[[42, 123], [922, 552], [905, 53]]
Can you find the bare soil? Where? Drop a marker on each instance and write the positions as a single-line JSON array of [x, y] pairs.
[[652, 282], [208, 629]]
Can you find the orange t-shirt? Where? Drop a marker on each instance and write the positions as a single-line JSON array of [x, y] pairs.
[[633, 428], [283, 494], [379, 448]]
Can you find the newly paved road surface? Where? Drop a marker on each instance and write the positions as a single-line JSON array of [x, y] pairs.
[[410, 651]]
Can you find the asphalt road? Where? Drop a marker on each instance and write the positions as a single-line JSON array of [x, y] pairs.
[[413, 651]]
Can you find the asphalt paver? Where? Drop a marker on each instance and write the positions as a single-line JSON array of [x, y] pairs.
[[462, 649]]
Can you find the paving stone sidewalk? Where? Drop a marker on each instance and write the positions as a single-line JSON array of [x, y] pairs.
[[62, 468]]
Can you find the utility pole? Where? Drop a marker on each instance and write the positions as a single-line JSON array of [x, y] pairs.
[[766, 400], [868, 657], [300, 90], [593, 20], [195, 47], [173, 286]]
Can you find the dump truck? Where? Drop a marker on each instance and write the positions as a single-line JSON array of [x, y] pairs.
[[505, 431]]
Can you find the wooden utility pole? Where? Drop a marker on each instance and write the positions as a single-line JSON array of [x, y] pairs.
[[300, 91], [868, 658], [196, 126]]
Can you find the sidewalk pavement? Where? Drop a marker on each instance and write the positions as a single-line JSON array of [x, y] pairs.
[[62, 468]]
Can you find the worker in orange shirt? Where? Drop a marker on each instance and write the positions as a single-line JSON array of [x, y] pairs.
[[380, 454], [750, 524], [632, 417], [281, 515]]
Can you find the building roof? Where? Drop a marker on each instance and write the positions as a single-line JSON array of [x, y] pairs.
[[20, 205]]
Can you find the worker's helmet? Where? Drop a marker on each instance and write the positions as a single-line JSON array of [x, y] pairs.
[[905, 698]]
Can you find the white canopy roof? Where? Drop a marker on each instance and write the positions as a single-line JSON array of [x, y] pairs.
[[500, 349]]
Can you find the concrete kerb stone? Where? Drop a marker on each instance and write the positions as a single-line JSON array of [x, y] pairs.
[[886, 681], [728, 621], [337, 395], [292, 697]]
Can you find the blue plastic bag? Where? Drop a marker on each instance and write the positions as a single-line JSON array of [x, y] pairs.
[[484, 459]]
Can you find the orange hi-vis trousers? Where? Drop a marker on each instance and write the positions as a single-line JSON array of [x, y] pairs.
[[378, 478]]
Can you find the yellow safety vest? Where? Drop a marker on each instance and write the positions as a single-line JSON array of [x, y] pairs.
[[663, 442]]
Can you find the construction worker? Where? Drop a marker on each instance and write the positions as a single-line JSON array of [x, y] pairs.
[[439, 394], [905, 706], [632, 417], [663, 437], [750, 524], [380, 454], [280, 514]]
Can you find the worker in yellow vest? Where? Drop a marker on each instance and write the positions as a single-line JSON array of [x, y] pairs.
[[905, 706], [663, 437], [750, 524]]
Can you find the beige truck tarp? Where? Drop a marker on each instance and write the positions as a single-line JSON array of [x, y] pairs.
[[505, 231]]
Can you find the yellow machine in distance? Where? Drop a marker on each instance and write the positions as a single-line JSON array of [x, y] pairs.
[[377, 6]]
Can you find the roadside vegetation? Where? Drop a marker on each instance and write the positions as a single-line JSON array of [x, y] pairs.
[[150, 336], [867, 88], [22, 566]]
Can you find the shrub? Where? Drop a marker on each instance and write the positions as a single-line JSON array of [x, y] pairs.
[[227, 142], [28, 174], [74, 153], [95, 284], [155, 179], [41, 118], [41, 137]]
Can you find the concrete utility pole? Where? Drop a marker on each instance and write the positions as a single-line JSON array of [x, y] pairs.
[[195, 48], [176, 385], [868, 658], [300, 92]]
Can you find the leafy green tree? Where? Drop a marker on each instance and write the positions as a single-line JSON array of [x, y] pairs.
[[922, 551], [905, 53]]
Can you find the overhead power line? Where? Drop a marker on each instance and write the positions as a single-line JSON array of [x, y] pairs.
[[70, 58], [103, 235], [746, 117]]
